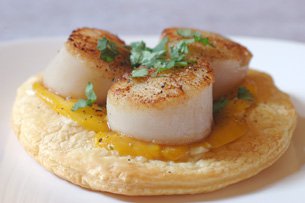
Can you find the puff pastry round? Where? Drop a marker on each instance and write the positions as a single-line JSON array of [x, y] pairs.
[[68, 150]]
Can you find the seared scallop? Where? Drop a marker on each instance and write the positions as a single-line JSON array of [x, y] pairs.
[[229, 60], [79, 62], [173, 108]]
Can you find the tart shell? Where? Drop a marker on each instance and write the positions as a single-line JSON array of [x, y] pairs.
[[68, 150]]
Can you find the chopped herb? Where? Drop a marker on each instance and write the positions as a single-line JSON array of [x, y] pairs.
[[141, 55], [145, 56], [137, 73], [185, 32], [91, 98], [205, 41], [136, 53], [108, 49], [220, 104], [79, 104], [197, 36], [179, 50], [244, 93], [161, 45], [156, 58]]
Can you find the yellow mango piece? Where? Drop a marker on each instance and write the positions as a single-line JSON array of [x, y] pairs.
[[235, 108], [91, 118], [225, 132], [228, 127], [127, 146], [175, 153]]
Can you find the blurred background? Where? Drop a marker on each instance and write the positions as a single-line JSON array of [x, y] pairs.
[[283, 19]]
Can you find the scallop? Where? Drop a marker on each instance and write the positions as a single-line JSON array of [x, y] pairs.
[[173, 108], [229, 60], [79, 62]]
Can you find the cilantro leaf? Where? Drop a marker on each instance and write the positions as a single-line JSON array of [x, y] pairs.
[[90, 94], [151, 58], [91, 98], [138, 73], [164, 66], [161, 45], [108, 49], [79, 104], [244, 93], [136, 53], [205, 41], [196, 35], [185, 32], [179, 50], [220, 104], [147, 57], [142, 55], [157, 58], [138, 46]]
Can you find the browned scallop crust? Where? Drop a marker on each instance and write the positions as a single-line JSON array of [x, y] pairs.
[[170, 87], [67, 150], [222, 47], [83, 42]]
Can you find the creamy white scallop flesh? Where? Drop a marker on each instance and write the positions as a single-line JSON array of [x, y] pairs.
[[228, 74], [175, 109], [68, 75], [78, 62]]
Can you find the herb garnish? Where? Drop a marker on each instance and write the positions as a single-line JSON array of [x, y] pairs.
[[196, 35], [91, 98], [138, 73], [185, 32], [141, 55], [162, 45], [146, 58], [143, 58], [244, 93], [220, 104], [108, 49]]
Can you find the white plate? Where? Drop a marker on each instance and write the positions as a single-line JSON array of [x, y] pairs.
[[23, 180]]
